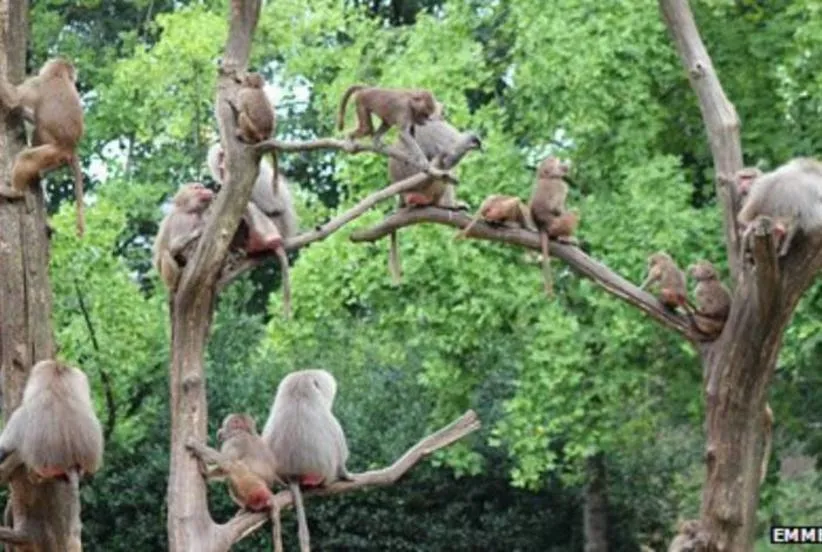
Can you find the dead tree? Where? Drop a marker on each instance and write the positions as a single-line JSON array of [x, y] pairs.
[[190, 526], [46, 517], [738, 365]]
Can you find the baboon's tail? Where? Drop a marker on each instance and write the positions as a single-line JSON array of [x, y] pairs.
[[344, 102]]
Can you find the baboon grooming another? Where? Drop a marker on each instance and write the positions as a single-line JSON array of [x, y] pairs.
[[307, 440], [55, 429], [179, 228], [444, 145], [58, 128], [791, 192], [271, 197], [670, 280], [547, 203], [397, 107]]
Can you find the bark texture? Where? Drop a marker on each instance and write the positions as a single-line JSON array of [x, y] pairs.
[[595, 514], [48, 515]]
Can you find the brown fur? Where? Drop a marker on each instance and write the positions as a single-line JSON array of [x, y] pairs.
[[397, 107], [563, 227], [306, 438], [55, 429], [180, 227], [548, 202], [58, 129], [269, 219], [670, 281], [502, 210], [713, 300], [256, 118]]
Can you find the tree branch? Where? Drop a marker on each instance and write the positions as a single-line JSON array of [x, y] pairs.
[[9, 535], [305, 238], [349, 146], [245, 523], [108, 390], [581, 263], [9, 466], [721, 120], [767, 272]]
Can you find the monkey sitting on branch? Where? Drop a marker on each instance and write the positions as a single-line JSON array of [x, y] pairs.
[[791, 195], [713, 300], [256, 118], [180, 227], [55, 429], [246, 464], [443, 145], [58, 128], [500, 210], [306, 438], [398, 107], [671, 289], [271, 198], [547, 203]]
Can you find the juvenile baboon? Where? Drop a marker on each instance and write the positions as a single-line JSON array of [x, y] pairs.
[[793, 190], [305, 437], [670, 281], [55, 429], [547, 203], [502, 210], [251, 469], [563, 227], [256, 118], [713, 300], [275, 202], [444, 145], [58, 128], [180, 227], [398, 107]]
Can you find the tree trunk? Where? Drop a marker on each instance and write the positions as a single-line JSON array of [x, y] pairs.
[[48, 513], [595, 515]]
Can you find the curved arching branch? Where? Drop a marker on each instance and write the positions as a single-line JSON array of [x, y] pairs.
[[244, 524], [581, 263]]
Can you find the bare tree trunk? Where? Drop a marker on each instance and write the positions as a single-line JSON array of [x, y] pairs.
[[47, 513], [595, 514]]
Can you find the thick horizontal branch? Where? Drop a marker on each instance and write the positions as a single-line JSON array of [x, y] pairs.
[[10, 536], [305, 238], [349, 146], [612, 282], [245, 523]]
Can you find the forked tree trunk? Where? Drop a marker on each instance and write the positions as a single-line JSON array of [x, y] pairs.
[[50, 511], [595, 515], [738, 366]]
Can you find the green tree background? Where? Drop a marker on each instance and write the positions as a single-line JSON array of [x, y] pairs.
[[555, 382]]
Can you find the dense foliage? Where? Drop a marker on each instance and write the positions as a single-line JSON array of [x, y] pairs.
[[555, 382]]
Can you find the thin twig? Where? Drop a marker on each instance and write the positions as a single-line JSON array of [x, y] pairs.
[[349, 146], [111, 405]]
